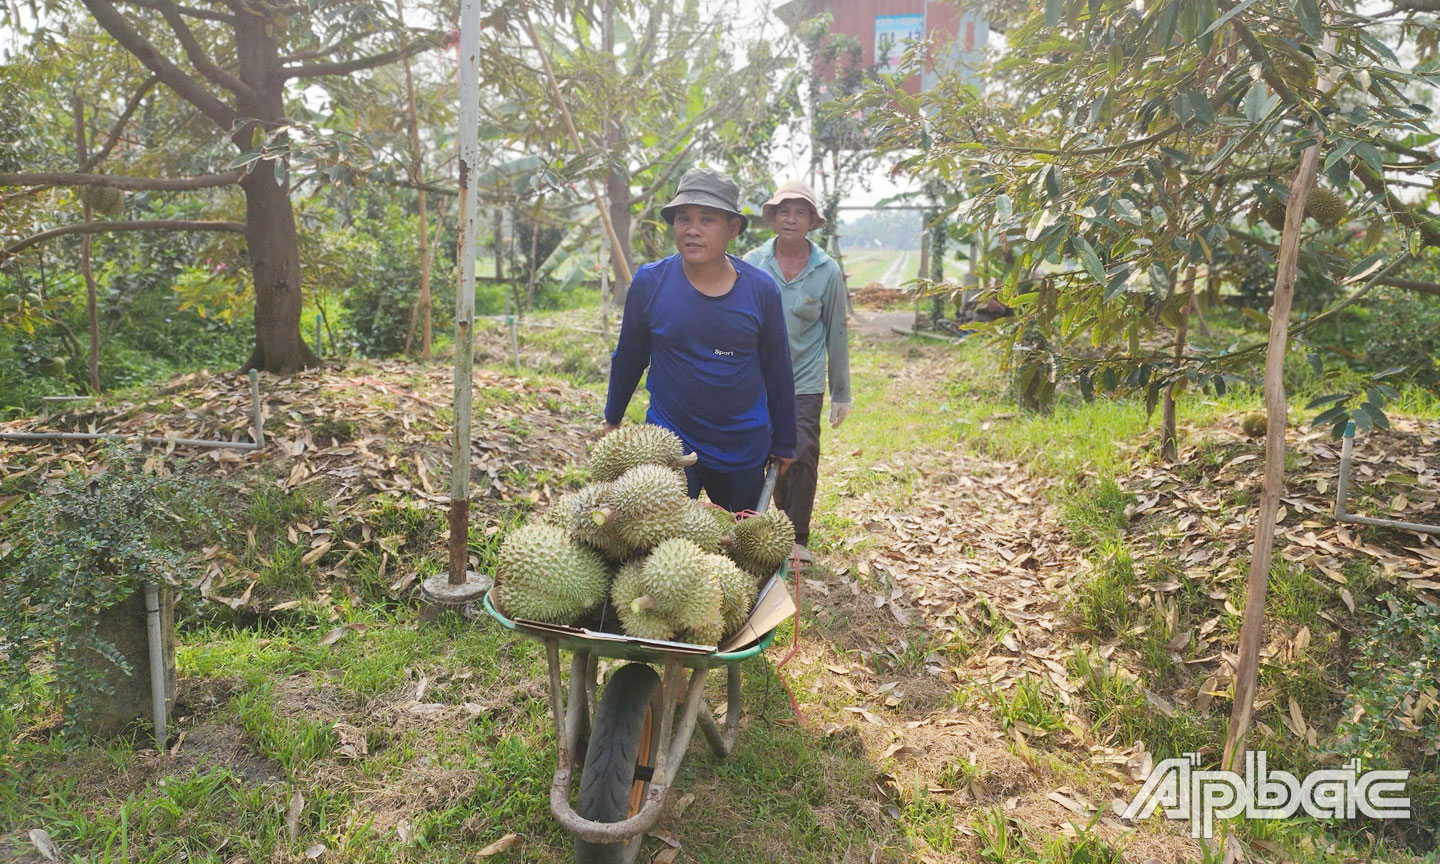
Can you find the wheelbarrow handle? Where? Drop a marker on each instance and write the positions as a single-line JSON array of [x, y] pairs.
[[772, 474]]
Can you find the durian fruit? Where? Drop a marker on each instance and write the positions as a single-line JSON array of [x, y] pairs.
[[689, 520], [630, 446], [104, 200], [543, 575], [573, 513], [679, 584], [642, 492], [709, 633], [638, 622], [576, 506], [1326, 207], [737, 592], [763, 542]]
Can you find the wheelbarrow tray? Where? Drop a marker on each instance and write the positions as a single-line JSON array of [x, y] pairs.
[[621, 647]]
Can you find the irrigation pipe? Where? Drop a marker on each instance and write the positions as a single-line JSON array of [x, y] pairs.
[[1342, 488], [257, 420], [157, 663]]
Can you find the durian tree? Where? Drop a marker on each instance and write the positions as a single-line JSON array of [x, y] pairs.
[[653, 89], [1122, 149], [1120, 145]]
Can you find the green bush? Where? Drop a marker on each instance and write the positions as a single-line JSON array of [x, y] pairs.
[[381, 289], [86, 544]]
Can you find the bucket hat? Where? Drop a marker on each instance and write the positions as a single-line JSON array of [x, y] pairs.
[[706, 188], [792, 190]]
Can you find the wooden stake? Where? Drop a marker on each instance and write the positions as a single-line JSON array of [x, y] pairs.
[[1168, 446], [91, 306], [469, 120], [1243, 710], [620, 257]]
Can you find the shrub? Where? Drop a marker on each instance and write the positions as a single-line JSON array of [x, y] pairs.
[[83, 546]]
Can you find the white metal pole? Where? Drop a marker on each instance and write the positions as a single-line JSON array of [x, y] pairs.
[[465, 295]]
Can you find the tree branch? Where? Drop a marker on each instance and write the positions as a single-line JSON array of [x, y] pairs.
[[1375, 185], [345, 67], [187, 88], [198, 58], [138, 225], [120, 122], [147, 184], [312, 53], [205, 14], [1413, 285]]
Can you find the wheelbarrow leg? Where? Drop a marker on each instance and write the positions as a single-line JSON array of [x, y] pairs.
[[577, 708], [723, 742]]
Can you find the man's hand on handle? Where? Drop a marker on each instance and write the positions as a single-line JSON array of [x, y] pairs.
[[783, 461]]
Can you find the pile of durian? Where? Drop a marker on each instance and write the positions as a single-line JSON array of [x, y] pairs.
[[635, 552]]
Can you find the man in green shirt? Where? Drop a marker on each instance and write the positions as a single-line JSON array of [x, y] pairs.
[[812, 292]]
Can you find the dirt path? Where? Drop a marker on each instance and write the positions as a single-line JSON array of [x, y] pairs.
[[891, 279], [952, 603]]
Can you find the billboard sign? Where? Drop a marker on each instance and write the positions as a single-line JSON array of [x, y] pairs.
[[892, 35]]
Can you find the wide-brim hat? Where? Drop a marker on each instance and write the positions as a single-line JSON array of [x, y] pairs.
[[706, 188], [793, 190]]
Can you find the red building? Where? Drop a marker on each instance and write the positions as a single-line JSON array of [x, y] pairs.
[[961, 32]]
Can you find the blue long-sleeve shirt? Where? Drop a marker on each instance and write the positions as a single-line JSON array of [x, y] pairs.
[[720, 374]]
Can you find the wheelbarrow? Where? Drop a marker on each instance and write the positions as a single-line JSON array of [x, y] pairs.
[[631, 743]]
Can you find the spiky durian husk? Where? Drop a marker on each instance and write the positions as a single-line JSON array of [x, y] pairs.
[[737, 590], [689, 521], [630, 446], [642, 492], [573, 514], [640, 623], [1326, 207], [763, 542], [686, 591], [543, 575], [575, 506]]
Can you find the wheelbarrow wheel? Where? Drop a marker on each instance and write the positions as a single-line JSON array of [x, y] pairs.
[[619, 759]]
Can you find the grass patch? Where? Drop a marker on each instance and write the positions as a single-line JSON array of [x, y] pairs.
[[1101, 602]]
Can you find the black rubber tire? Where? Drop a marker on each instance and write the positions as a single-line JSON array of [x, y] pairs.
[[613, 754]]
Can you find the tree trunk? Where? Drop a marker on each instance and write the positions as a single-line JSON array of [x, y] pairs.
[[417, 166], [1168, 434], [1243, 710], [86, 243], [270, 234], [617, 182], [275, 264]]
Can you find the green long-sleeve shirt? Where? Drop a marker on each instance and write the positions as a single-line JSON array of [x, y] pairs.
[[814, 304]]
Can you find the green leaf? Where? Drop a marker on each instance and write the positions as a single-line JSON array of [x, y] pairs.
[[1052, 13], [1052, 182], [1126, 209], [1369, 154], [1257, 99], [1326, 418], [1159, 279], [1086, 253], [1309, 14], [1365, 267], [1235, 10], [1326, 400]]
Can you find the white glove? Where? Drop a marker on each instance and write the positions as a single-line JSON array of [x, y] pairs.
[[838, 412]]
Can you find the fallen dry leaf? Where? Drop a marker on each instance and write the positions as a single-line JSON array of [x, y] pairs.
[[292, 815], [504, 844], [40, 839]]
